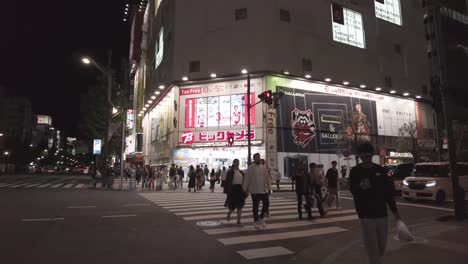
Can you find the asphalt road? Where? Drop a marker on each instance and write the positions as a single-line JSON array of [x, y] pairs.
[[78, 225]]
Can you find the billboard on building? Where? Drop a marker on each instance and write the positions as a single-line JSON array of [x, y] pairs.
[[311, 116], [44, 120], [347, 26], [389, 10], [214, 110]]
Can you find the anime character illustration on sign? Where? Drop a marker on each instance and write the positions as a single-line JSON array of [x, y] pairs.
[[303, 126]]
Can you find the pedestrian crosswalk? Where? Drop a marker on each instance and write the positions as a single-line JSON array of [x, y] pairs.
[[43, 182], [207, 212]]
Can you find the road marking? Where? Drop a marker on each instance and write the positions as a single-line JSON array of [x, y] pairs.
[[81, 185], [264, 252], [32, 185], [190, 208], [286, 217], [216, 210], [191, 203], [211, 216], [68, 185], [44, 185], [142, 204], [42, 219], [414, 205], [293, 224], [280, 236], [56, 185], [117, 216], [81, 206]]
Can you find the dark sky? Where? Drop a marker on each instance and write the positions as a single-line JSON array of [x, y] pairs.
[[41, 43]]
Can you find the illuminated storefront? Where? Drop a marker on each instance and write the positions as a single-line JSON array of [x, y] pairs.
[[314, 122]]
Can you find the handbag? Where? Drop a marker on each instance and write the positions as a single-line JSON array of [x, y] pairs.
[[403, 232]]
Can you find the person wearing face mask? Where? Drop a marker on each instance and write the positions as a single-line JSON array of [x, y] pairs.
[[257, 183], [372, 192]]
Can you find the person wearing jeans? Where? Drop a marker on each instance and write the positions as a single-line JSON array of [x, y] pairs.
[[257, 183], [372, 192]]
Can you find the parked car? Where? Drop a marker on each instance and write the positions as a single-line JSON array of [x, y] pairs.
[[398, 173], [431, 181]]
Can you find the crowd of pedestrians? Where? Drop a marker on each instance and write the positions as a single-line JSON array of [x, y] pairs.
[[370, 189]]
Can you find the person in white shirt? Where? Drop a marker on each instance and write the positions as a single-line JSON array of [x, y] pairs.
[[257, 183]]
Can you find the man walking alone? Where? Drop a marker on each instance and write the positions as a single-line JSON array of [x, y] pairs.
[[257, 183], [372, 191]]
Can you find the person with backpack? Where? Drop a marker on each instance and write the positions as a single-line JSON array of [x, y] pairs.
[[316, 182]]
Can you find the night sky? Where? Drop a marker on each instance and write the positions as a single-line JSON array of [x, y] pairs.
[[41, 45]]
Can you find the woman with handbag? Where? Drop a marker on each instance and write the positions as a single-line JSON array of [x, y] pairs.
[[235, 195]]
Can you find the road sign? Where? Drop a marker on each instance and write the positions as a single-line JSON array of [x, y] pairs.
[[97, 147]]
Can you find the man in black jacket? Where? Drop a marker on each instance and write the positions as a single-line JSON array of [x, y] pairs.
[[372, 191], [303, 186]]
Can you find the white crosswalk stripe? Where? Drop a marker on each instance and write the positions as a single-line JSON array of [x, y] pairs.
[[283, 224], [50, 182]]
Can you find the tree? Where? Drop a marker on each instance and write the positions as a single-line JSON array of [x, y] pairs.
[[356, 129], [407, 140], [94, 111], [460, 134]]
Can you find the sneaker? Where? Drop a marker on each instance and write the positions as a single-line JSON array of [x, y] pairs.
[[257, 225], [262, 222], [239, 224]]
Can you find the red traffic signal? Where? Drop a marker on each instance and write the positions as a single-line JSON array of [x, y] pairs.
[[266, 97]]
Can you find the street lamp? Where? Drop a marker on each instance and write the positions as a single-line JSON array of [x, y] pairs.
[[1, 134], [107, 72]]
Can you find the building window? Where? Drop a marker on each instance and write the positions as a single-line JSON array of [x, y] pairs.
[[285, 15], [424, 89], [306, 65], [388, 81], [240, 14], [388, 10], [194, 66], [397, 48], [347, 26]]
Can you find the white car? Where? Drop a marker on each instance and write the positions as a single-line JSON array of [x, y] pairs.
[[431, 181]]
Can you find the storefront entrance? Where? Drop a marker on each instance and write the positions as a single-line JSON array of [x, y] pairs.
[[214, 157]]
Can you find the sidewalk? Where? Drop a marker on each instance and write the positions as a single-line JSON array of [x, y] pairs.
[[436, 242]]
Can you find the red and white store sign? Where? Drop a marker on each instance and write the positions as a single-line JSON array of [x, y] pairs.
[[188, 137], [215, 111]]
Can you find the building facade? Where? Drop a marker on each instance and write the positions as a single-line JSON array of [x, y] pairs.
[[344, 67]]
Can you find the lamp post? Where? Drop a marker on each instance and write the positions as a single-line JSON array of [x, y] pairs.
[[107, 72]]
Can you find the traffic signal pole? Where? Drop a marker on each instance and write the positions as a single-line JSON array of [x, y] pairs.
[[249, 150]]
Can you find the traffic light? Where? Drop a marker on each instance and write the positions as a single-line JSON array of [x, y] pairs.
[[266, 97], [230, 141]]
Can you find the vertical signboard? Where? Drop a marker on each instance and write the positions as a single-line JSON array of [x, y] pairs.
[[97, 147]]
